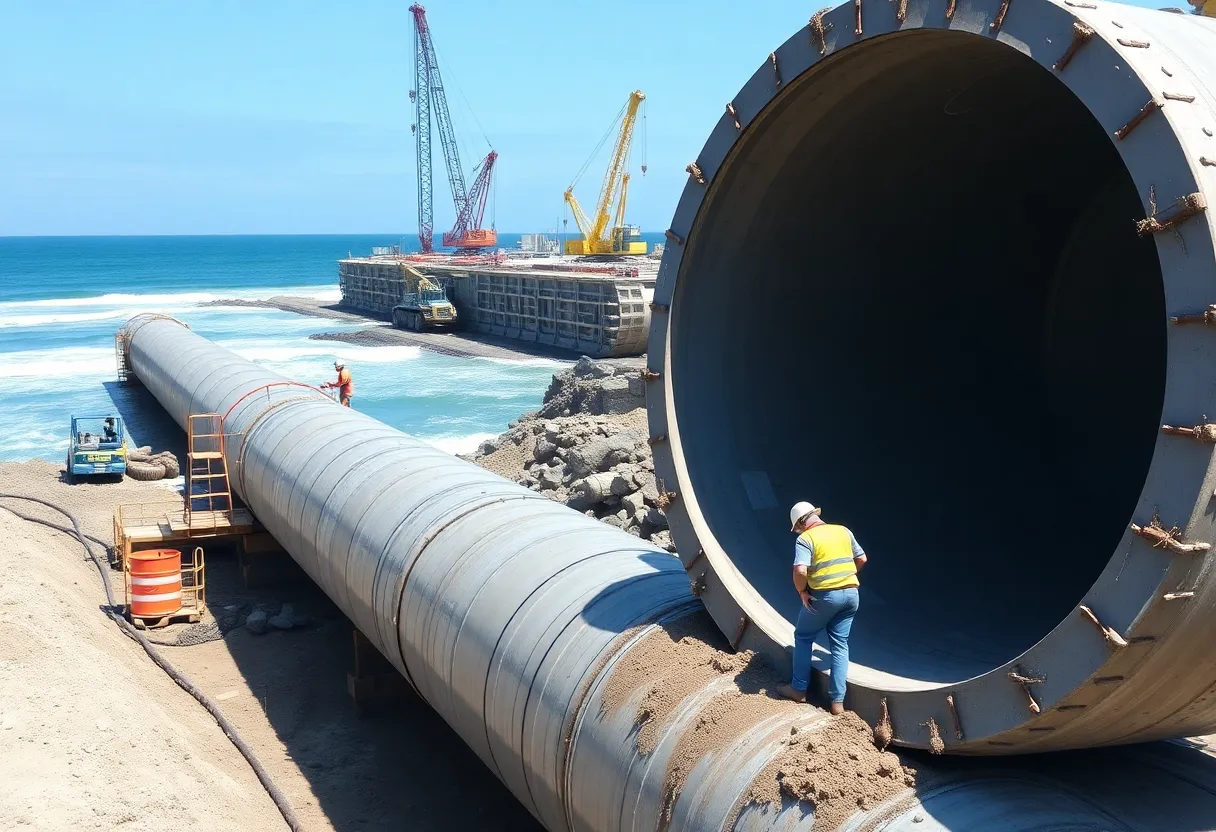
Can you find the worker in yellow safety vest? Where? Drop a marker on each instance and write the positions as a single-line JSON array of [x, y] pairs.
[[826, 561], [1206, 9], [345, 384]]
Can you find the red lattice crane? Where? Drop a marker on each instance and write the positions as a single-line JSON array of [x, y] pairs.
[[430, 98]]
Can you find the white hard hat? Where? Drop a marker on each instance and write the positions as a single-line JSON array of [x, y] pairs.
[[339, 363], [801, 511]]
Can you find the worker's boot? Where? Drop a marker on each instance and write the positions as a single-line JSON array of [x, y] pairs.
[[837, 708], [791, 692]]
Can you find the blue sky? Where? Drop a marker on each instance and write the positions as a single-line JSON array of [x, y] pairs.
[[130, 117]]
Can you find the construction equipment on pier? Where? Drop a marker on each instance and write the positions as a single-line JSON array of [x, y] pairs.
[[598, 236], [424, 304], [429, 97]]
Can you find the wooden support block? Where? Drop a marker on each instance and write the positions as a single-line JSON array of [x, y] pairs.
[[373, 683]]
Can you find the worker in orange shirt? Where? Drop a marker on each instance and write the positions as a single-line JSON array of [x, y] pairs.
[[1205, 9], [345, 384]]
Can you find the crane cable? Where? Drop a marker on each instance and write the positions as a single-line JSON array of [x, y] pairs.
[[611, 128], [183, 681], [645, 139], [468, 106]]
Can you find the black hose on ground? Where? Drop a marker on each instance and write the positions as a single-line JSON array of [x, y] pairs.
[[212, 634], [55, 526], [183, 681]]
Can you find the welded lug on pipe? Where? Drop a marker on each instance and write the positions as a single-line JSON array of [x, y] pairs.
[[1024, 682], [776, 436], [1184, 208], [1205, 433], [1171, 539], [819, 30], [1112, 638], [734, 117], [884, 731], [996, 24], [1208, 316], [695, 172], [958, 726], [1147, 110], [1081, 35]]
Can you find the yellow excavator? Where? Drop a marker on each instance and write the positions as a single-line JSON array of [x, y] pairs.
[[598, 236], [423, 304]]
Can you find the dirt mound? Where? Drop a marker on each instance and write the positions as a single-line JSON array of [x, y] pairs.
[[832, 765], [836, 769]]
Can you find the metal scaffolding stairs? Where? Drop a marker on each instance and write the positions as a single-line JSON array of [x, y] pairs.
[[120, 356], [207, 472]]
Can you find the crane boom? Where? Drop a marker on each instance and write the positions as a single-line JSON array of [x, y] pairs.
[[443, 117], [598, 237], [616, 167], [431, 100], [422, 142]]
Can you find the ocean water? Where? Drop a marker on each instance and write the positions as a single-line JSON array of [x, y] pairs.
[[62, 298]]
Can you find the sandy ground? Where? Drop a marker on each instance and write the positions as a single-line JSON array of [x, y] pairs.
[[460, 343], [94, 736]]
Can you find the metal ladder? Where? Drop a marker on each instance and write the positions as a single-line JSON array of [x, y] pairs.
[[120, 355], [206, 466]]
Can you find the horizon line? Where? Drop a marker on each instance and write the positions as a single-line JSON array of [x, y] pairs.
[[265, 234]]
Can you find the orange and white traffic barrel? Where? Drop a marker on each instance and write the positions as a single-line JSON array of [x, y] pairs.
[[156, 582]]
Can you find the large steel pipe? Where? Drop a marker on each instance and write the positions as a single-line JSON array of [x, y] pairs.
[[944, 268], [495, 602], [510, 614]]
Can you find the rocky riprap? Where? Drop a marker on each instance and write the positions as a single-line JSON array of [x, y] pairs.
[[586, 447]]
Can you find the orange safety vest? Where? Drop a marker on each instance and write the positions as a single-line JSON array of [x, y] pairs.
[[345, 383]]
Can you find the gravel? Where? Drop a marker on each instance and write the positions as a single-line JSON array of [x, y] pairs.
[[585, 451]]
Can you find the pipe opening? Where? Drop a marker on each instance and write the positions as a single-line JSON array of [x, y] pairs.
[[915, 295]]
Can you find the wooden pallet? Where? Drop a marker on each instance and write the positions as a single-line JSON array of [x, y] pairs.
[[140, 526], [141, 622]]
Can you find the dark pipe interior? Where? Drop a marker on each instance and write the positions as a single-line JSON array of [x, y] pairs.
[[916, 297]]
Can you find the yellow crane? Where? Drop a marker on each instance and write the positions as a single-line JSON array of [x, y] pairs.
[[598, 237]]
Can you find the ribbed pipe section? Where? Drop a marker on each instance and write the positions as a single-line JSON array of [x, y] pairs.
[[976, 242], [509, 613], [501, 607]]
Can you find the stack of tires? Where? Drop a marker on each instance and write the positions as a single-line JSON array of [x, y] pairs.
[[145, 466]]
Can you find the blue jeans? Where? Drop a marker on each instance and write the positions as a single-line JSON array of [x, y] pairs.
[[831, 610]]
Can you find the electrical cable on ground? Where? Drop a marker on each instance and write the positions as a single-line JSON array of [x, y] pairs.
[[183, 681]]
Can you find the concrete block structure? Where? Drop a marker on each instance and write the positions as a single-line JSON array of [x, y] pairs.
[[596, 314]]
